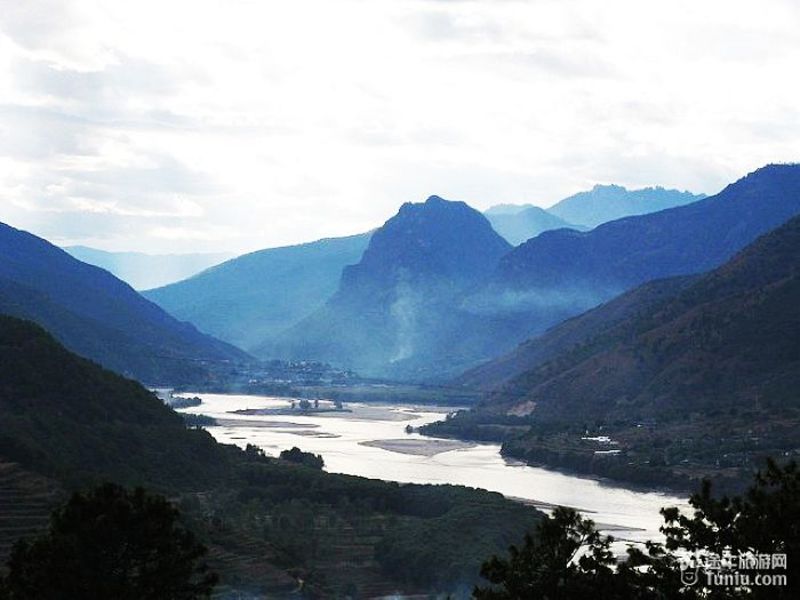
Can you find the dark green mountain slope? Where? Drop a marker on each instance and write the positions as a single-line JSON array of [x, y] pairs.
[[573, 331], [250, 299], [731, 339], [605, 203], [97, 315], [68, 418], [269, 523], [517, 227], [703, 381]]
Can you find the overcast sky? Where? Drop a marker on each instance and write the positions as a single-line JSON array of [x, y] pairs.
[[231, 125]]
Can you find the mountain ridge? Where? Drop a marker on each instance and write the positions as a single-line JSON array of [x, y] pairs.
[[249, 299], [604, 203], [97, 314], [687, 239], [518, 227]]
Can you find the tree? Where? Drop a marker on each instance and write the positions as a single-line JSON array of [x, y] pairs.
[[111, 543], [567, 559], [299, 457], [763, 522]]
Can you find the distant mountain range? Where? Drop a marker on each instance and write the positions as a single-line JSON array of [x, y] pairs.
[[144, 271], [438, 290], [604, 203], [518, 223], [519, 226], [586, 268], [505, 209], [249, 300], [100, 317]]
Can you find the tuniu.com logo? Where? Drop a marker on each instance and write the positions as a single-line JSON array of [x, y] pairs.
[[690, 570], [743, 570]]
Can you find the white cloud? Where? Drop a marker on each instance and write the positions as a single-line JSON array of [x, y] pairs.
[[171, 126]]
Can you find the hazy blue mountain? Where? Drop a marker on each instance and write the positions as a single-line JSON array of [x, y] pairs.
[[250, 299], [571, 333], [396, 311], [98, 316], [428, 242], [582, 269], [427, 301], [145, 271], [519, 226], [605, 203], [505, 209]]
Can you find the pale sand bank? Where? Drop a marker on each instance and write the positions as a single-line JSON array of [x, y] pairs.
[[417, 447], [255, 423]]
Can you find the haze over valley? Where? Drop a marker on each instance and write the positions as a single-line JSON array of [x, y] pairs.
[[368, 300]]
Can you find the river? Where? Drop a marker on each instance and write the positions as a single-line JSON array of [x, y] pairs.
[[371, 441]]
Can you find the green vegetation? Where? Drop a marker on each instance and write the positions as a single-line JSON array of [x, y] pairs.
[[299, 457], [700, 559], [701, 381], [567, 558], [193, 420], [110, 543], [268, 523], [67, 418]]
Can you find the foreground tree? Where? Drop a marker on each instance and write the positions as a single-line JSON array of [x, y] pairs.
[[299, 457], [111, 543], [566, 558]]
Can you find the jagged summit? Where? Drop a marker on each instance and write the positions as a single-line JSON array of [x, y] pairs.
[[604, 203], [399, 306], [438, 237]]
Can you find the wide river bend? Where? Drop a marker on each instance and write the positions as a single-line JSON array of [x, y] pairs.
[[371, 441]]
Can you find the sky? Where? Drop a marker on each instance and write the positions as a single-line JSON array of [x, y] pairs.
[[181, 126]]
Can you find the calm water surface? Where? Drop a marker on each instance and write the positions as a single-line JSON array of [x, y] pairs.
[[340, 437]]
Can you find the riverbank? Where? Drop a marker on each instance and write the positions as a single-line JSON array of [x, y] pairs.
[[662, 457], [365, 443]]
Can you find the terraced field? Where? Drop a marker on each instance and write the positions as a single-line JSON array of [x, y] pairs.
[[340, 558], [26, 500]]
